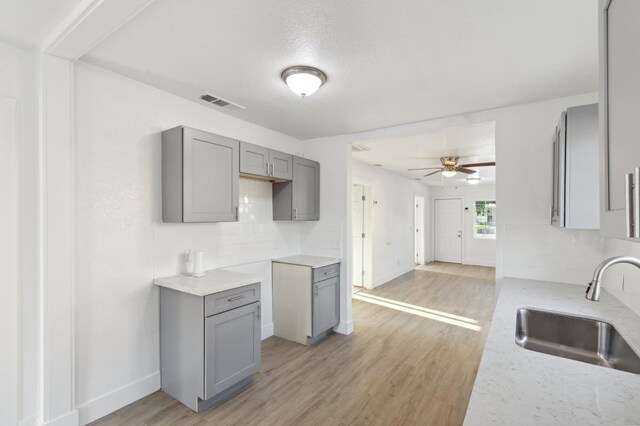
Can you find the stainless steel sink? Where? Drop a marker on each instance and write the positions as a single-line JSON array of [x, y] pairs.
[[573, 337]]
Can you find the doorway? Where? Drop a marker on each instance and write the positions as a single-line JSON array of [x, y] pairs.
[[448, 230], [418, 226], [358, 199], [362, 235]]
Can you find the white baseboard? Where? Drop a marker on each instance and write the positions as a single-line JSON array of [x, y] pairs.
[[267, 331], [69, 419], [30, 421], [344, 327], [479, 263], [395, 274], [114, 400]]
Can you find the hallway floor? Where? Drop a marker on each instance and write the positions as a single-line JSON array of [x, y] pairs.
[[412, 359]]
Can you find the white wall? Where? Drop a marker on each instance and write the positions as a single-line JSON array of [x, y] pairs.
[[475, 251], [393, 220], [122, 244], [19, 313]]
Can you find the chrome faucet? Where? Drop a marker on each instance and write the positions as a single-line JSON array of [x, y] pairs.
[[593, 290]]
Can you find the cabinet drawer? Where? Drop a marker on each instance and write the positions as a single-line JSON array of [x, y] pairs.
[[325, 272], [225, 300]]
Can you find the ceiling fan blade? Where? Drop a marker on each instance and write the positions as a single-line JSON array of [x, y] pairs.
[[467, 171], [424, 168], [432, 173], [490, 163]]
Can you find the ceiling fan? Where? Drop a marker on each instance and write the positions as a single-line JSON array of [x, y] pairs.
[[450, 167]]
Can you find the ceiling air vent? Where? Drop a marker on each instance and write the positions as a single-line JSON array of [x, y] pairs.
[[220, 103], [356, 147]]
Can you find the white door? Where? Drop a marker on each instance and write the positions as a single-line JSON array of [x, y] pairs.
[[419, 230], [448, 230], [357, 230]]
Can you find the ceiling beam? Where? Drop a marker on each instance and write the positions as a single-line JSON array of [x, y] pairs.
[[90, 23]]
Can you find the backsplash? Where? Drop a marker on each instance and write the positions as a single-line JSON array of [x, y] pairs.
[[254, 238], [544, 252]]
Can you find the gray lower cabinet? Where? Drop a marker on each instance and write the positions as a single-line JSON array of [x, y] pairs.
[[326, 300], [258, 161], [306, 301], [209, 346], [298, 200], [200, 176], [619, 124]]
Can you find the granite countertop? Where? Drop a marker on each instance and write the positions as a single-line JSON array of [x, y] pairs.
[[311, 261], [523, 387], [214, 281]]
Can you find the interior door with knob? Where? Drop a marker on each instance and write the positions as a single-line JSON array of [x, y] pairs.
[[448, 230]]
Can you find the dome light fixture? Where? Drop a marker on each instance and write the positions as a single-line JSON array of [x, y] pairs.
[[448, 173], [303, 80], [473, 180]]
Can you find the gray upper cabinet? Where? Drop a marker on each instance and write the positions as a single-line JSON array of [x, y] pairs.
[[300, 198], [258, 161], [575, 169], [232, 348], [619, 124], [200, 176], [326, 303], [254, 159]]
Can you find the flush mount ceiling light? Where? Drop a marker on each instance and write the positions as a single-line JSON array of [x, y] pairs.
[[473, 180], [303, 80], [448, 173]]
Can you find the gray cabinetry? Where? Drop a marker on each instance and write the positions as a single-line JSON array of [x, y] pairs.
[[300, 198], [326, 300], [575, 200], [619, 123], [257, 161], [200, 173], [306, 301], [232, 348], [209, 346]]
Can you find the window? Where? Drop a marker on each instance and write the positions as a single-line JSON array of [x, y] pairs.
[[485, 223]]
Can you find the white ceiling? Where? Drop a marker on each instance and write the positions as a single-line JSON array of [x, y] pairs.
[[28, 23], [387, 62], [472, 143]]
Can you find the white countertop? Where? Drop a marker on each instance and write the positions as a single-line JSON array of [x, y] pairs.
[[214, 281], [523, 387], [311, 261]]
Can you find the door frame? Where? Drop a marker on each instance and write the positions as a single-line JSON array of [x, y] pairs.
[[367, 254], [423, 259], [433, 225]]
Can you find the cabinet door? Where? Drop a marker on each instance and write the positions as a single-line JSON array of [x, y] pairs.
[[254, 160], [620, 97], [281, 165], [232, 348], [326, 302], [211, 175], [306, 189]]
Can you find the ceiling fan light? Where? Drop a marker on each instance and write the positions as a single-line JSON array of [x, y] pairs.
[[303, 81], [473, 180], [448, 173]]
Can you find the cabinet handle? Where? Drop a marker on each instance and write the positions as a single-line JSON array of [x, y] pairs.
[[628, 198], [636, 203], [259, 312], [272, 169], [237, 213], [268, 168], [315, 290], [233, 299], [295, 214]]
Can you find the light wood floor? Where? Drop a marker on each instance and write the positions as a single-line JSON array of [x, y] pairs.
[[401, 366]]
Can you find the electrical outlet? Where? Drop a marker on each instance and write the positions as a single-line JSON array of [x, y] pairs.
[[335, 244]]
